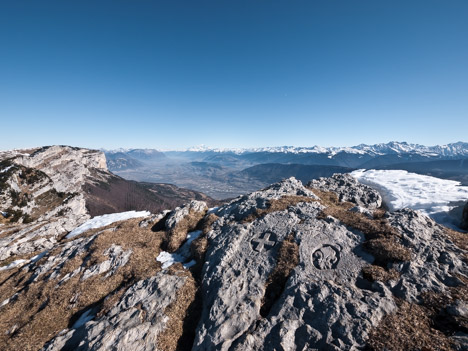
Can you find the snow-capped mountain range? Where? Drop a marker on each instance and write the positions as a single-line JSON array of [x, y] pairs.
[[450, 150], [209, 169]]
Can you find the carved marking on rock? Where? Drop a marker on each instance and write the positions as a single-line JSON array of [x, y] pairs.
[[263, 242], [326, 257]]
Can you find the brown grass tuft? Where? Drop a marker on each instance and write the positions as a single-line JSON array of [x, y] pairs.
[[198, 250], [176, 236], [276, 205], [381, 237], [287, 260], [329, 198], [409, 328], [43, 308], [460, 239], [372, 228], [387, 250], [376, 273], [207, 222], [379, 213], [200, 245], [183, 314]]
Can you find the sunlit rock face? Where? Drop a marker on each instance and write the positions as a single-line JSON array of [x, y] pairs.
[[42, 194], [68, 167]]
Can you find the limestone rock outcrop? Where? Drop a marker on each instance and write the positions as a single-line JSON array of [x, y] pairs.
[[289, 267], [132, 324], [349, 189], [68, 167], [41, 194]]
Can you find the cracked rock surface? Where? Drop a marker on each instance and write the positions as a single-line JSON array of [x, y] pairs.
[[289, 267], [132, 324], [349, 189], [321, 305]]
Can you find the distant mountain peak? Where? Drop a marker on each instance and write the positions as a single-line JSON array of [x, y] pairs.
[[392, 147]]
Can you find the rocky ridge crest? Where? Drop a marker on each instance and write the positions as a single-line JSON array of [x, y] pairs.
[[41, 194], [290, 267]]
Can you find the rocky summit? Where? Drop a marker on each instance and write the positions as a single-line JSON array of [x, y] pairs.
[[290, 267]]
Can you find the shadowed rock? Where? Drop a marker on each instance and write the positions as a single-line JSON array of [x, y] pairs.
[[464, 223]]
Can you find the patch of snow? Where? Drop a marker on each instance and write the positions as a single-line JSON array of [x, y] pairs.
[[181, 255], [432, 196], [167, 259], [38, 257], [212, 210], [16, 263], [104, 220], [190, 264], [13, 264], [184, 250], [84, 318], [6, 169]]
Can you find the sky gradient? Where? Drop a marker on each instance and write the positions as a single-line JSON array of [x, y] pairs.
[[174, 74]]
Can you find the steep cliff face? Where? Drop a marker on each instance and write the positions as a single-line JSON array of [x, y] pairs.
[[68, 167], [41, 197], [290, 267], [42, 179], [47, 192]]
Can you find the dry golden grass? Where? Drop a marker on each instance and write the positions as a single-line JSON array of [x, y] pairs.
[[207, 222], [329, 198], [42, 308], [376, 273], [176, 236], [382, 238], [437, 303], [276, 205], [11, 259], [409, 328], [460, 292], [183, 315], [10, 229], [200, 245], [387, 250], [198, 250], [372, 228], [460, 239]]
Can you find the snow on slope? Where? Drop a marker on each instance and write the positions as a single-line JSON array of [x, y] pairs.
[[399, 189], [181, 255], [102, 221], [459, 149]]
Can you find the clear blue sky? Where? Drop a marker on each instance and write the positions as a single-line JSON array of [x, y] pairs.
[[173, 74]]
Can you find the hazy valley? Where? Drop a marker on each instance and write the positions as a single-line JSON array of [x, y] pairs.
[[228, 173]]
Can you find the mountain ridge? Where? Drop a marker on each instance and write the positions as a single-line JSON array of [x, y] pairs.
[[222, 175], [450, 150], [291, 266]]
